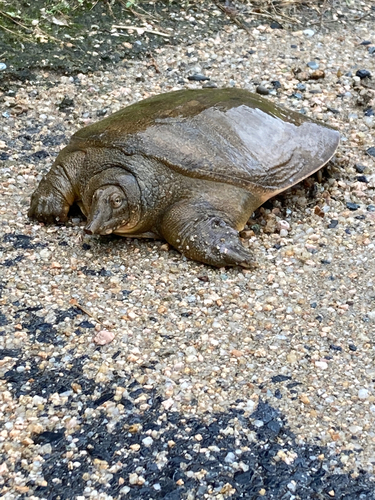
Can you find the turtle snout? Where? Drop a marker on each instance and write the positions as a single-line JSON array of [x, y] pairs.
[[93, 226]]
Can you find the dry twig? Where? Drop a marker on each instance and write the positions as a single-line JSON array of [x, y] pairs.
[[4, 14], [75, 303], [154, 63], [232, 13], [140, 30], [18, 35]]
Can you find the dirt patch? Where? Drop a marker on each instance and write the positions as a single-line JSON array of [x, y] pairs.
[[89, 38], [81, 37]]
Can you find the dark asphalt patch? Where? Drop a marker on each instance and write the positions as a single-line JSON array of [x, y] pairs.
[[254, 456]]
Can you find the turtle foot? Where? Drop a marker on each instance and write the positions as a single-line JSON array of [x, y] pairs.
[[206, 235], [48, 205]]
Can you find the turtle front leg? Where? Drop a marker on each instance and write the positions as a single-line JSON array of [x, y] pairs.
[[55, 194], [205, 234]]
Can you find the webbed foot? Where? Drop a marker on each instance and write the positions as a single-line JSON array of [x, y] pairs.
[[206, 235], [48, 205]]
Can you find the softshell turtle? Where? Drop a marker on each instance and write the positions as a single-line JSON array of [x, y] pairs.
[[189, 166]]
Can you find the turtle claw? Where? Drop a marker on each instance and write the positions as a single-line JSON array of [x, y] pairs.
[[210, 239], [237, 255]]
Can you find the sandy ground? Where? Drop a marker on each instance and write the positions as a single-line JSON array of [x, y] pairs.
[[280, 359]]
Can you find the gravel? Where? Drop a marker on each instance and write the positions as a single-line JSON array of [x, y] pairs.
[[128, 371]]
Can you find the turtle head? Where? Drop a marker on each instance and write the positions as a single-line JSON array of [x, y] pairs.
[[112, 202]]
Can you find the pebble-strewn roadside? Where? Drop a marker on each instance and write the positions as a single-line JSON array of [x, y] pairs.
[[219, 383]]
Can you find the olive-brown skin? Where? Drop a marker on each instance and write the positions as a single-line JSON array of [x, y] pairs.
[[188, 166]]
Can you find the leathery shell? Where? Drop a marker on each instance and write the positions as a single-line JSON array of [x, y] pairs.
[[225, 135]]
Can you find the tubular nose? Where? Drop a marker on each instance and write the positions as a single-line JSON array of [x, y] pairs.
[[92, 226]]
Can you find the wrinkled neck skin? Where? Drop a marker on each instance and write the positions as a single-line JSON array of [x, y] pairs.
[[147, 188]]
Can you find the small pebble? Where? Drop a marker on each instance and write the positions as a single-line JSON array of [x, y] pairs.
[[147, 441], [355, 429], [363, 73], [360, 168], [313, 65], [352, 206], [283, 224], [362, 178], [276, 26], [333, 224], [262, 90], [363, 393], [104, 337], [258, 423], [230, 458], [309, 32], [317, 75], [133, 478], [198, 77], [352, 347], [371, 151], [209, 85], [335, 347], [321, 364], [3, 66]]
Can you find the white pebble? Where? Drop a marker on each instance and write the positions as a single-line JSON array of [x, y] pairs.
[[191, 359], [230, 458], [363, 394], [147, 441], [355, 429], [283, 224], [321, 364], [292, 486], [45, 254], [250, 404], [168, 403], [37, 400], [133, 478]]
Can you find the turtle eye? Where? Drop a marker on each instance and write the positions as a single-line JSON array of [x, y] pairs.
[[116, 200]]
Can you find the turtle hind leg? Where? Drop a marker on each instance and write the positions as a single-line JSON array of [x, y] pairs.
[[55, 194], [205, 234]]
